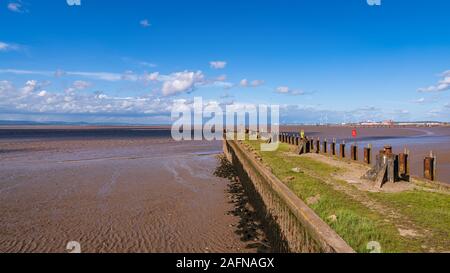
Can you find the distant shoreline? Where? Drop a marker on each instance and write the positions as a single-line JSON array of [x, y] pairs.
[[169, 126]]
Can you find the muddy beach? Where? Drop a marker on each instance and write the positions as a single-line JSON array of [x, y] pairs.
[[127, 191]]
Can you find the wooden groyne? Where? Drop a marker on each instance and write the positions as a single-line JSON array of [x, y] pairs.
[[292, 225], [397, 167]]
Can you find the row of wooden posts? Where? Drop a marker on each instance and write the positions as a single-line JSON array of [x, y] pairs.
[[400, 160]]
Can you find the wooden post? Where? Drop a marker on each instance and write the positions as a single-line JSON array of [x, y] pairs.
[[342, 150], [297, 141], [368, 154], [333, 147], [311, 145], [391, 168], [307, 146], [387, 150], [325, 147], [429, 167], [354, 152], [403, 166], [318, 145]]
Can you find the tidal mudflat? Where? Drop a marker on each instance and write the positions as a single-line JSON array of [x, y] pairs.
[[113, 190]]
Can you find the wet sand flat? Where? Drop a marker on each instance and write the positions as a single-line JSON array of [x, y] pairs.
[[114, 195]]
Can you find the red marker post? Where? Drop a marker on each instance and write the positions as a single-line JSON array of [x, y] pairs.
[[354, 148]]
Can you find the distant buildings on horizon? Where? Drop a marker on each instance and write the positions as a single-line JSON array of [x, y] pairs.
[[385, 123]]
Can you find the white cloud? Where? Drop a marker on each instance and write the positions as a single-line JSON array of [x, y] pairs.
[[26, 72], [31, 99], [223, 84], [16, 7], [106, 76], [59, 73], [3, 46], [257, 83], [145, 23], [150, 77], [129, 76], [181, 82], [442, 85], [254, 83], [244, 83], [81, 85], [218, 64], [222, 78], [147, 64], [5, 87], [170, 84], [30, 87], [420, 101], [289, 91], [8, 47], [283, 90], [43, 93]]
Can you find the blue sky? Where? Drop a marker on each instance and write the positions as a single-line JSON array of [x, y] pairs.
[[128, 61]]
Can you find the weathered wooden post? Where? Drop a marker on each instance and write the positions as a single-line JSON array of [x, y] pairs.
[[333, 147], [342, 149], [325, 147], [429, 167], [354, 152], [368, 154], [318, 145], [297, 142], [403, 166], [392, 164], [311, 146], [388, 150]]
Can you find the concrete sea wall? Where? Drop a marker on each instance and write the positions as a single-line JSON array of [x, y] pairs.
[[292, 226]]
